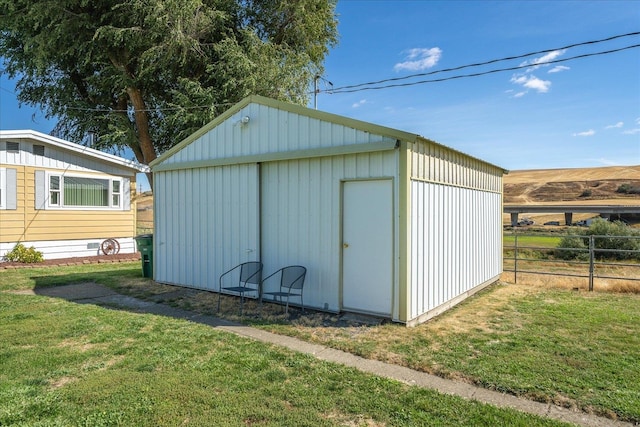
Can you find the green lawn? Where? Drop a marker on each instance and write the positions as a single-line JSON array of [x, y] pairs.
[[69, 364], [535, 241], [576, 349]]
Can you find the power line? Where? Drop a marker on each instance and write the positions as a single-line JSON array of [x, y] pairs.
[[360, 87], [7, 90], [519, 67], [492, 61]]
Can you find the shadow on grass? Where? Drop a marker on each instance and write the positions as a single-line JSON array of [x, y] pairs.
[[124, 289]]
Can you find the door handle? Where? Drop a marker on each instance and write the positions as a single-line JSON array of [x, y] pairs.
[[345, 245]]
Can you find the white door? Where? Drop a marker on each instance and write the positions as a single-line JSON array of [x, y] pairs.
[[367, 246]]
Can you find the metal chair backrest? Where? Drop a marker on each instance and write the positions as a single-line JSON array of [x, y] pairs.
[[251, 272], [293, 277]]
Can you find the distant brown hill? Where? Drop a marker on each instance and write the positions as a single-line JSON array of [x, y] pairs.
[[580, 185]]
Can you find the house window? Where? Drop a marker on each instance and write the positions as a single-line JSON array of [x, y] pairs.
[[13, 147], [54, 191], [84, 192], [38, 150], [115, 194]]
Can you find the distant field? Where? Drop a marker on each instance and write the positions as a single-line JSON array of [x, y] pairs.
[[575, 174], [144, 204], [533, 241]]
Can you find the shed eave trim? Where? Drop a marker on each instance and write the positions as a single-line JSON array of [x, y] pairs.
[[280, 155]]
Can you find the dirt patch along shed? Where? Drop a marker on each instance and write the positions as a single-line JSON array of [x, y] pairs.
[[386, 222]]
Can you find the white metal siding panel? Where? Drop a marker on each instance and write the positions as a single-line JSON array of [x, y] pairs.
[[206, 222], [434, 163], [455, 242], [301, 215], [269, 130]]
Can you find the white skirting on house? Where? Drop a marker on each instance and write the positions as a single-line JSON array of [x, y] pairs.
[[55, 249]]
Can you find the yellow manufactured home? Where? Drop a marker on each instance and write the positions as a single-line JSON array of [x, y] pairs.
[[63, 198]]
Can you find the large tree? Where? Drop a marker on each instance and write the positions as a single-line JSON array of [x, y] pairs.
[[144, 74]]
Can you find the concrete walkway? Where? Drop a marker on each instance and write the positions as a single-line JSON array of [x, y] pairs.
[[91, 293]]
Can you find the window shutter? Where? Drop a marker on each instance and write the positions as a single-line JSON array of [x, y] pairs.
[[12, 189], [126, 194], [41, 190]]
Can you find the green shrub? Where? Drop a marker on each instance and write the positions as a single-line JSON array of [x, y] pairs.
[[614, 235], [572, 246], [20, 253], [615, 230], [623, 188], [628, 189], [586, 193]]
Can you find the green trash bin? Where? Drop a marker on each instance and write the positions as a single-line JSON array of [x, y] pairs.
[[145, 247]]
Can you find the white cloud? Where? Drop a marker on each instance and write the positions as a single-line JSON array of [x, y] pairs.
[[532, 82], [617, 125], [419, 59], [589, 132], [513, 94], [359, 103], [545, 59], [631, 131], [638, 120]]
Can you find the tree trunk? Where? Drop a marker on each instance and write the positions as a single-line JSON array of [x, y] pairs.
[[142, 126]]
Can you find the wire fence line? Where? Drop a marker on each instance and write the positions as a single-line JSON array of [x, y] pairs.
[[544, 254]]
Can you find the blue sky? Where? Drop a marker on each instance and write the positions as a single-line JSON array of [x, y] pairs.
[[578, 113]]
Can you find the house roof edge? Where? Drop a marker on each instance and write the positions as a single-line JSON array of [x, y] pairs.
[[71, 146]]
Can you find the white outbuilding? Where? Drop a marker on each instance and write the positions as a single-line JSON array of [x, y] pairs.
[[386, 222]]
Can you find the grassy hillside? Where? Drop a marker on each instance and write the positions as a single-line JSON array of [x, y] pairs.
[[588, 185]]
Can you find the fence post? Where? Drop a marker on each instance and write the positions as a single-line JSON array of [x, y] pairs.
[[591, 262], [515, 258]]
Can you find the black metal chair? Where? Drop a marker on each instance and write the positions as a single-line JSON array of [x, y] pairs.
[[249, 280], [291, 284]]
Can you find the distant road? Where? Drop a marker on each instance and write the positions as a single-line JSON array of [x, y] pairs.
[[559, 208], [568, 210]]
